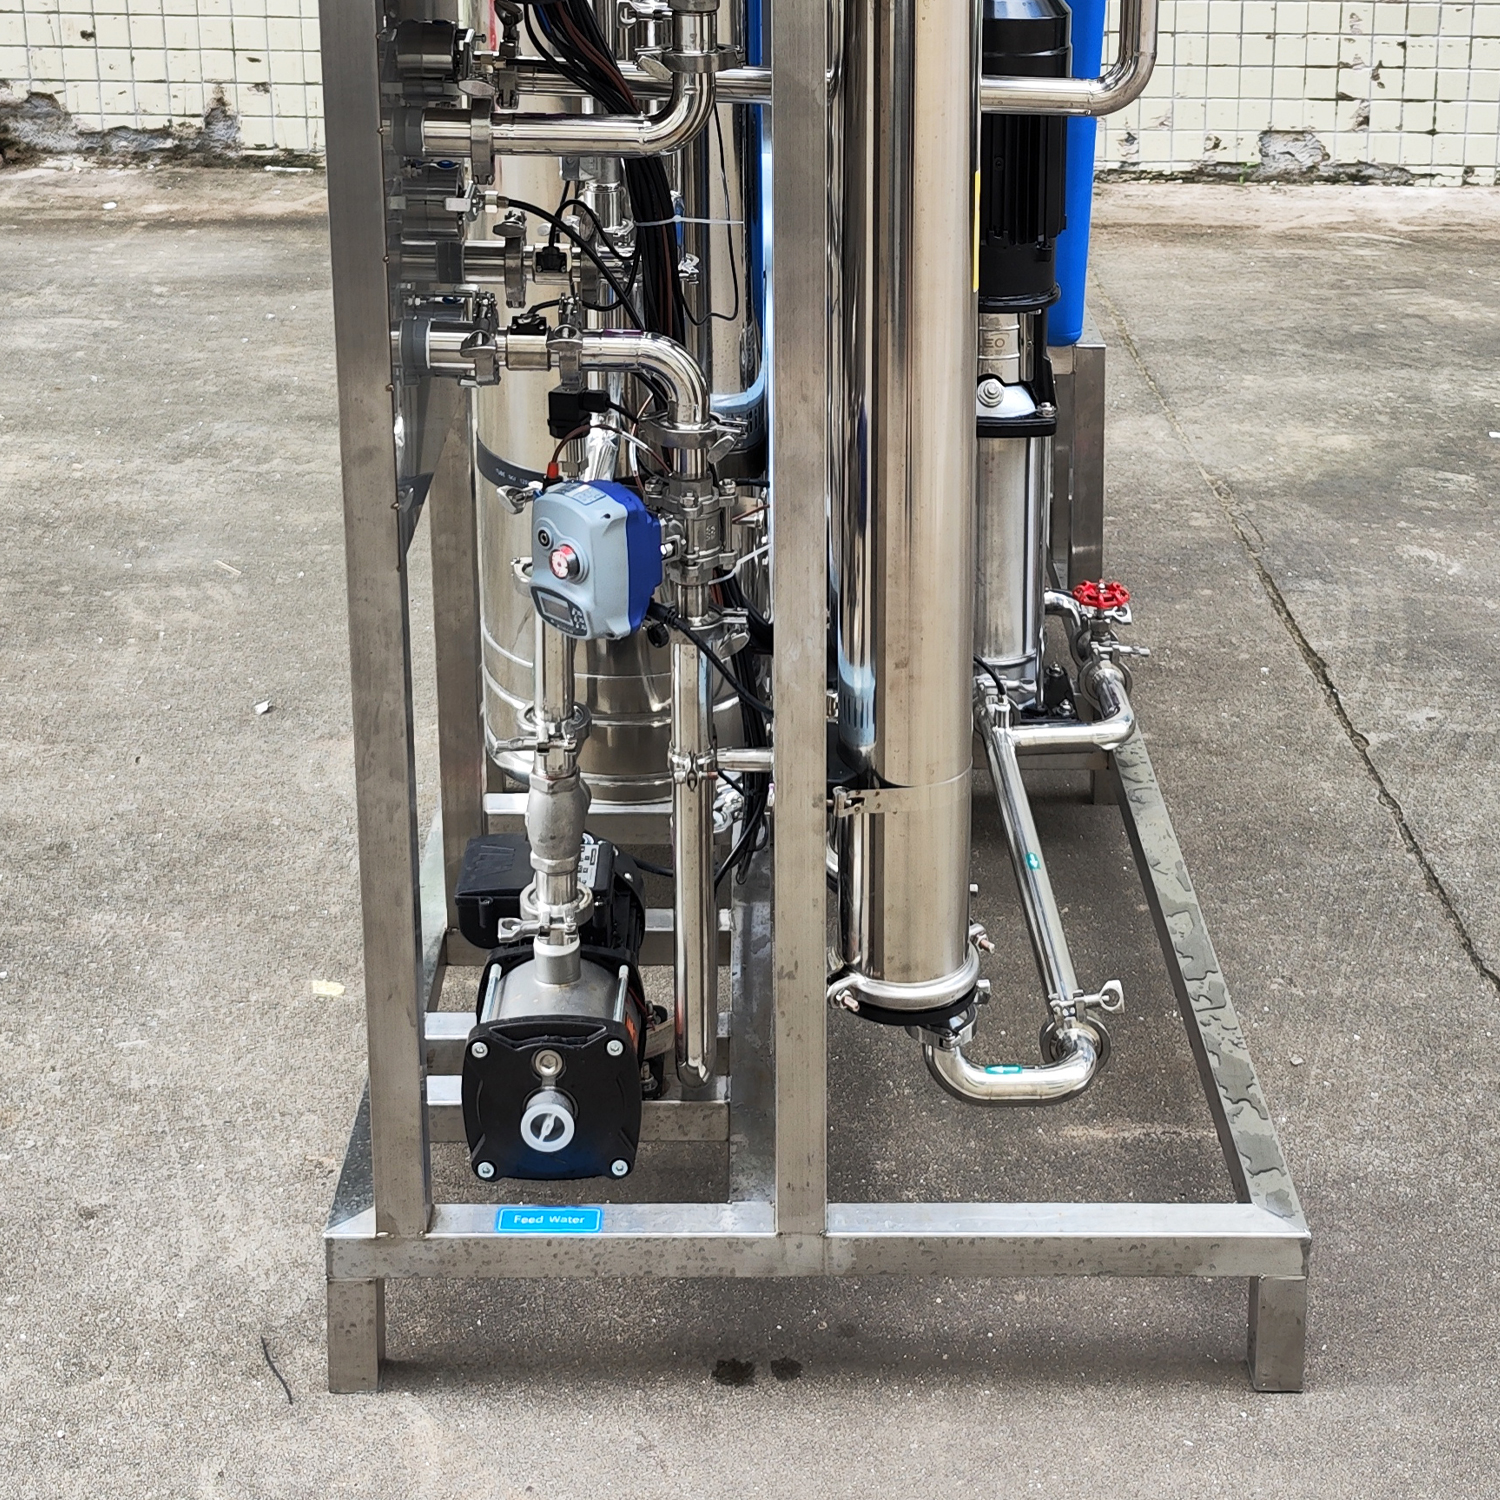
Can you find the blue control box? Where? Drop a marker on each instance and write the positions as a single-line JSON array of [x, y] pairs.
[[595, 558]]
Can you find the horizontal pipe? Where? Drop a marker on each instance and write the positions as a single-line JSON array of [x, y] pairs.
[[748, 758], [690, 107], [1011, 1083], [731, 85], [1115, 724], [448, 349], [1124, 82]]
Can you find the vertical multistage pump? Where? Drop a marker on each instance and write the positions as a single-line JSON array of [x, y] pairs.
[[904, 522]]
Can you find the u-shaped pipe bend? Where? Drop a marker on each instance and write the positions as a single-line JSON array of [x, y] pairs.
[[1082, 1049]]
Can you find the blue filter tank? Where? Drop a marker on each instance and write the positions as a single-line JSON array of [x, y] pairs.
[[1065, 317]]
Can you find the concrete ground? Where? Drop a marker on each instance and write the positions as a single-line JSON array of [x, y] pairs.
[[1304, 446]]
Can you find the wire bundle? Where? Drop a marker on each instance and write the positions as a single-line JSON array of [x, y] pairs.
[[566, 35]]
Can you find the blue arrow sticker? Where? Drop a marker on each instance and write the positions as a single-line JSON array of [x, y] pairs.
[[1033, 860], [549, 1221], [1004, 1068]]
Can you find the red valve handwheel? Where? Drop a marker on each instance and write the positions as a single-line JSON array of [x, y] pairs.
[[1105, 594]]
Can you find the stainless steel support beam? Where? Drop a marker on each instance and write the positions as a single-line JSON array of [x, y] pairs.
[[379, 627], [799, 585], [1243, 1120], [1078, 459], [356, 1335], [861, 1239], [454, 544]]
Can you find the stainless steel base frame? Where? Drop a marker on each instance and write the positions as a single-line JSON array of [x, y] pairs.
[[1262, 1237]]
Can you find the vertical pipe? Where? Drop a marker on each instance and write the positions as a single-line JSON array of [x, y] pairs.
[[697, 241], [906, 528], [694, 907], [1043, 920], [556, 801]]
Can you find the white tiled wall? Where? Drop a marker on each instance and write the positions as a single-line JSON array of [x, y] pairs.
[[1347, 84], [150, 63], [1350, 83]]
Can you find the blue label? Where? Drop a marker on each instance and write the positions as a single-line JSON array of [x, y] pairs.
[[1005, 1068], [549, 1221], [1033, 860]]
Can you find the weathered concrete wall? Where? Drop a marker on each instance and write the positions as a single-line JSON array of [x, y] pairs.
[[1333, 90]]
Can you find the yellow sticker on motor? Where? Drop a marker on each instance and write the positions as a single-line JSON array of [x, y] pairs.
[[976, 231]]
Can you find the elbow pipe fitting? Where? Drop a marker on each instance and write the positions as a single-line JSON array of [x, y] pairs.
[[444, 132], [1077, 1048], [438, 346], [1105, 683], [1124, 82], [688, 396], [690, 106]]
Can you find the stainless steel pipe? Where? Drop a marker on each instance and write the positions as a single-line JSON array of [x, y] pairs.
[[731, 85], [1043, 920], [1078, 1044], [1014, 1083], [447, 132], [1122, 83], [448, 348], [904, 519], [695, 912]]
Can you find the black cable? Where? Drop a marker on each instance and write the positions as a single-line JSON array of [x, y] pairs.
[[762, 631], [669, 617], [575, 46], [588, 250], [651, 869], [744, 846], [993, 675], [734, 274]]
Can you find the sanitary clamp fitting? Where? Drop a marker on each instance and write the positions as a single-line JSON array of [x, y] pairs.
[[565, 351]]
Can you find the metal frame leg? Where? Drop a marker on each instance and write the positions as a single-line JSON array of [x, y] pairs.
[[356, 1335], [1278, 1332]]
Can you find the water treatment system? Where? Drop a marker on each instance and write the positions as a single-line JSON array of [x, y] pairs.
[[735, 354]]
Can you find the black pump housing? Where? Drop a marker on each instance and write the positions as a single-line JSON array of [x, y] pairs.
[[1022, 159]]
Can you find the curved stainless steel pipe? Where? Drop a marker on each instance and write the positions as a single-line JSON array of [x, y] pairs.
[[689, 398], [731, 85], [1079, 1045], [1124, 81], [1115, 724], [449, 348], [690, 106], [1011, 1083]]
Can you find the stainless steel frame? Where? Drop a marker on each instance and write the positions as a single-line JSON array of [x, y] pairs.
[[776, 1220]]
